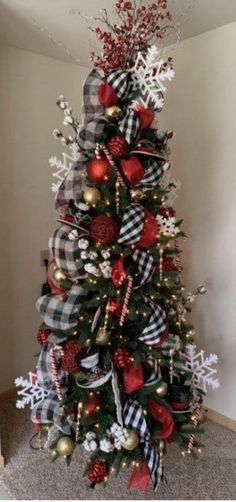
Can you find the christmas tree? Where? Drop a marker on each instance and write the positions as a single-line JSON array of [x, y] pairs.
[[118, 373]]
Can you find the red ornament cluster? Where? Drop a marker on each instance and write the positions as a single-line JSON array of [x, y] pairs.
[[69, 359], [121, 42], [121, 358], [104, 229], [97, 472]]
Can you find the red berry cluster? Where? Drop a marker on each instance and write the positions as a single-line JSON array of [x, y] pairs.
[[43, 334], [138, 28], [97, 472]]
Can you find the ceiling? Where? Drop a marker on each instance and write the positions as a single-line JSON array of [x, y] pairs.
[[55, 28]]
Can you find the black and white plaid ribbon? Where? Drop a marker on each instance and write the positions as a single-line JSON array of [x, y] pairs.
[[151, 335], [134, 419], [154, 170], [121, 83], [132, 224], [61, 312], [154, 365], [71, 186], [146, 266], [129, 126], [66, 252]]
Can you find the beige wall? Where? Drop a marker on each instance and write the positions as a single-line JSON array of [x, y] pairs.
[[29, 87], [201, 108]]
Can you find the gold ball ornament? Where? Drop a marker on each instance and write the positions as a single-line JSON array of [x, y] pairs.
[[162, 389], [132, 441], [113, 113], [65, 446], [58, 275], [103, 336], [91, 196]]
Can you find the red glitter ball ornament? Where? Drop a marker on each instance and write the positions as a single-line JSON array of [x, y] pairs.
[[121, 358], [69, 359], [104, 229], [115, 308], [98, 170], [97, 472], [117, 146], [92, 405], [43, 334]]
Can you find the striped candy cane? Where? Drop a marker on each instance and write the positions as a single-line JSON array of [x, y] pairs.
[[195, 424], [124, 311], [102, 148], [53, 350]]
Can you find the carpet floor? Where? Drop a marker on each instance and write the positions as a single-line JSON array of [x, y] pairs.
[[31, 475]]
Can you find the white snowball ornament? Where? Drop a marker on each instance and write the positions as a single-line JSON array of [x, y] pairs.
[[84, 255], [83, 243], [105, 254], [92, 255], [90, 444], [106, 445]]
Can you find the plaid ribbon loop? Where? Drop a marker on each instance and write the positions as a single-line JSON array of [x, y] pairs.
[[129, 126], [132, 224], [71, 186], [66, 252], [152, 333], [61, 312], [146, 266], [154, 170], [134, 419]]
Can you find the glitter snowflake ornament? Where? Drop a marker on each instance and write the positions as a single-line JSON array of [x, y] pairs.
[[63, 167], [149, 75], [32, 393], [201, 368]]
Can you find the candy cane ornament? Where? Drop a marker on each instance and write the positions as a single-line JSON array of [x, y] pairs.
[[128, 293], [102, 148], [195, 424], [52, 353]]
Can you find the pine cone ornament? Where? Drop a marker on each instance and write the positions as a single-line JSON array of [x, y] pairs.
[[69, 359], [121, 358], [117, 146], [97, 472], [43, 334]]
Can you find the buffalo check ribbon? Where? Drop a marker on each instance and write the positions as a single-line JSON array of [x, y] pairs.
[[152, 333], [134, 419]]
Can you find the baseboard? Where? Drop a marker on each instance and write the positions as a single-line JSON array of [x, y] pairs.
[[227, 422], [8, 395]]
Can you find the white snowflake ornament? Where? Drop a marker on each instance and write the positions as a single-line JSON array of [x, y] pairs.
[[32, 393], [63, 167], [167, 224], [149, 76], [201, 368]]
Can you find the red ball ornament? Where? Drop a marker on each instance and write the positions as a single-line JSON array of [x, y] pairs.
[[149, 232], [121, 358], [43, 334], [104, 229], [97, 472], [145, 115], [117, 146], [92, 405], [69, 359], [98, 170], [168, 264], [132, 169], [107, 97]]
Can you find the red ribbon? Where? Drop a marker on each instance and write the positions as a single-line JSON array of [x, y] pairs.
[[133, 378], [140, 477], [164, 416]]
